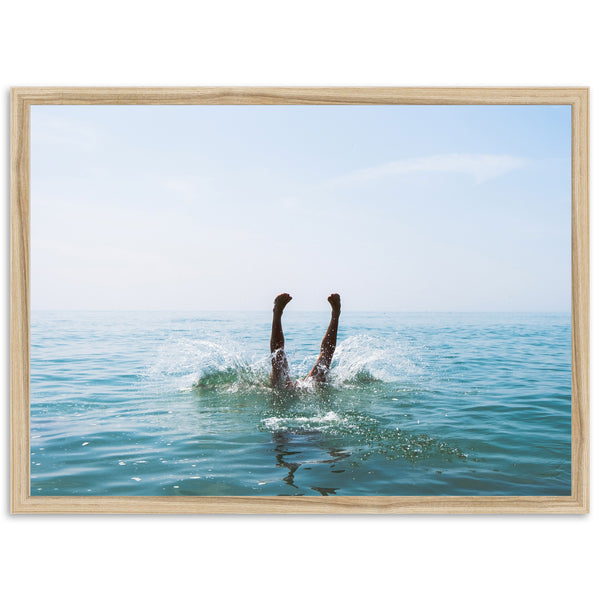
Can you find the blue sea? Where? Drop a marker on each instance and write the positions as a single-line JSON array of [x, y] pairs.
[[164, 403]]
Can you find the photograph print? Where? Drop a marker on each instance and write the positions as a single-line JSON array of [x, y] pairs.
[[300, 300]]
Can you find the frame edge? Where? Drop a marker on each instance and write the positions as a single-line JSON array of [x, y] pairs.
[[21, 500], [580, 302], [19, 297]]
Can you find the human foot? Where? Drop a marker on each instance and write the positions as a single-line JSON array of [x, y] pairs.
[[336, 303], [280, 302]]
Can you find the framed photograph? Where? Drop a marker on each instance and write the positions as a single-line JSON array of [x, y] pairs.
[[299, 300]]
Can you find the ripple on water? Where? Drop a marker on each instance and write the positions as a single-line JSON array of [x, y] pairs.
[[417, 404]]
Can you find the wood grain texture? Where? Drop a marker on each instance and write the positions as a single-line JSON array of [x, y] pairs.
[[300, 95], [302, 505], [21, 500], [580, 303], [19, 299]]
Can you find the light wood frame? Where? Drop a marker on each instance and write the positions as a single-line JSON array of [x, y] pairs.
[[22, 501]]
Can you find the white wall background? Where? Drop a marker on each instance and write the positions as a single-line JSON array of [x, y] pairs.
[[121, 42]]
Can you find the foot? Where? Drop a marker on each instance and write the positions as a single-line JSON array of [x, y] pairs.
[[336, 303], [280, 302]]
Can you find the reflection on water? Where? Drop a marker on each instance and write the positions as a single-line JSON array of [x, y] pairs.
[[292, 460], [291, 446]]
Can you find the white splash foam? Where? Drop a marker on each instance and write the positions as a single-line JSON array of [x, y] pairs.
[[180, 364], [361, 358], [315, 423], [183, 364]]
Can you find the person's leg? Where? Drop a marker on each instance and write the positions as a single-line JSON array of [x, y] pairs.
[[280, 370], [321, 368]]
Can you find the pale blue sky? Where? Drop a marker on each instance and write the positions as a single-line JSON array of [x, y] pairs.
[[222, 207]]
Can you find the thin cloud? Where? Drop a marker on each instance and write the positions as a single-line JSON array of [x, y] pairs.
[[481, 167]]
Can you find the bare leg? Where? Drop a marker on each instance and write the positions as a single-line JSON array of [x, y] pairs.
[[321, 368], [280, 376]]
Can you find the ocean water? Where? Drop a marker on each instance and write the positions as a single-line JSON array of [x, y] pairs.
[[160, 403]]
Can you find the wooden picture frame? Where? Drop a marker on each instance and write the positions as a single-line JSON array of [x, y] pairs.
[[23, 502]]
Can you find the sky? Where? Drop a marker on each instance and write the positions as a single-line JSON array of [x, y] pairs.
[[397, 208]]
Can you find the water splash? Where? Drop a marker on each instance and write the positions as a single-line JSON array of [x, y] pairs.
[[186, 364], [364, 436], [183, 365], [362, 359], [328, 421]]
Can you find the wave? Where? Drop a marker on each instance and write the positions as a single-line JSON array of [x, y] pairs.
[[226, 366]]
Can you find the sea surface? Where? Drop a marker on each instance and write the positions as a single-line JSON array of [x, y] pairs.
[[162, 403]]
